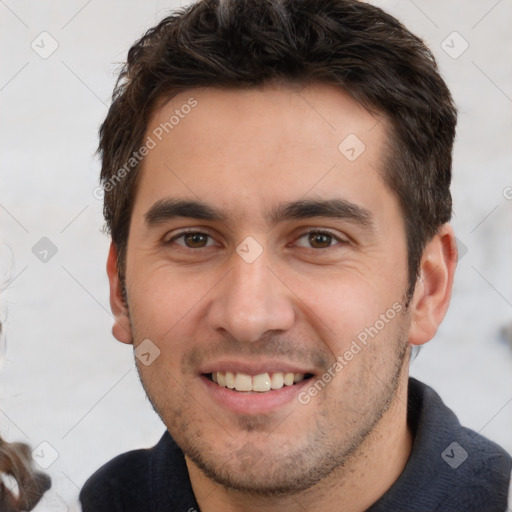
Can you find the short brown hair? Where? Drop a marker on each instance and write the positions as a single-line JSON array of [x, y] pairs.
[[245, 43]]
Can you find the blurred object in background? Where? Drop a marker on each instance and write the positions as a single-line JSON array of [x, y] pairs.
[[506, 333], [21, 487]]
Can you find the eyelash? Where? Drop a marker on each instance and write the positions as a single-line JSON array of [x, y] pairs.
[[313, 231], [309, 232], [185, 233]]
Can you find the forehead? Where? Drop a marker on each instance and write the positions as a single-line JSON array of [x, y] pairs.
[[257, 147]]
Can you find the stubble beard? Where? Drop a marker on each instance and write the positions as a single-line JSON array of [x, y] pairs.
[[265, 473]]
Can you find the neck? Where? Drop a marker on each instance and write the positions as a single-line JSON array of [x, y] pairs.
[[369, 473]]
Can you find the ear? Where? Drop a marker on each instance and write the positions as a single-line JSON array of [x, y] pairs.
[[434, 286], [121, 328]]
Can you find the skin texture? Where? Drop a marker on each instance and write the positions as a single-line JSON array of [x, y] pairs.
[[301, 302]]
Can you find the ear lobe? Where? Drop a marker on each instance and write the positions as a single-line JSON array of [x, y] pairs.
[[121, 328], [434, 286]]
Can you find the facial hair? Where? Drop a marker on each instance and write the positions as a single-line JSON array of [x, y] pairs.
[[255, 471]]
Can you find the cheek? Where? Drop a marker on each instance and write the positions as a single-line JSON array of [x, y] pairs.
[[342, 304], [164, 301]]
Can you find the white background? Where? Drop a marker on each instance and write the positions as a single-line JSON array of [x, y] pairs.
[[64, 379]]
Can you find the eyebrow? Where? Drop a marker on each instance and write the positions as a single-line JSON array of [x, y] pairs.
[[168, 209], [328, 208]]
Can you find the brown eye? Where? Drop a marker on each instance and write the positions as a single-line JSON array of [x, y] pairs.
[[192, 240], [195, 240], [320, 240]]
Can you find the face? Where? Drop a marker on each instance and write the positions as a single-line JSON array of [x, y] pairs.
[[265, 253]]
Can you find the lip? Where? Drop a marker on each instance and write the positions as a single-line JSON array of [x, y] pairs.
[[254, 367], [253, 403]]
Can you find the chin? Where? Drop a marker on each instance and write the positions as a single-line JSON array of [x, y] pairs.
[[262, 468]]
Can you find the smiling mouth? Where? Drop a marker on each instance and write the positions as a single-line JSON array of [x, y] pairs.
[[261, 383]]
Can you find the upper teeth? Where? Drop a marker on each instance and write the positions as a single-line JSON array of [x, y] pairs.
[[262, 382]]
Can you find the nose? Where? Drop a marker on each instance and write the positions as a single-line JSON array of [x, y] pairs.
[[251, 301]]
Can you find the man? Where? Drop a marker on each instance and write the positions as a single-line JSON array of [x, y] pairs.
[[276, 181]]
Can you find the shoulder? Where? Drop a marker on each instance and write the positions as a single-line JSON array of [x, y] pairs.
[[440, 429], [470, 471], [122, 484], [451, 467], [483, 470]]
